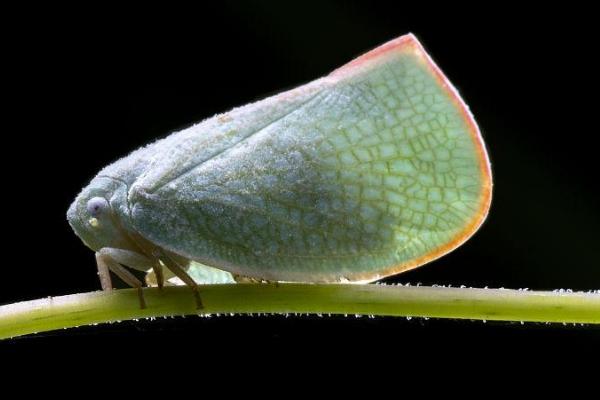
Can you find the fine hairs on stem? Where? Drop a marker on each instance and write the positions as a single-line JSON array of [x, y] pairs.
[[406, 301]]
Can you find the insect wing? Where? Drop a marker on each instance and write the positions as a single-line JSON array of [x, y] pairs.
[[378, 168]]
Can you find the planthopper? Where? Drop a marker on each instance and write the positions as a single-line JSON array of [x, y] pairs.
[[377, 168]]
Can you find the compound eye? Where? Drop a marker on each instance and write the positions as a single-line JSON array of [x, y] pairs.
[[96, 206]]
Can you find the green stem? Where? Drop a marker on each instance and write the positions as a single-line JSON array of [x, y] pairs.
[[440, 302]]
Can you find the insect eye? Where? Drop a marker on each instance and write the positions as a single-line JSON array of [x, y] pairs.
[[96, 206]]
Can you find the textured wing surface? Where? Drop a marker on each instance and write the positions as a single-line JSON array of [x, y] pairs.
[[379, 170], [184, 151]]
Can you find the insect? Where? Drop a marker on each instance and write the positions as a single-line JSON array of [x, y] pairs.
[[375, 169]]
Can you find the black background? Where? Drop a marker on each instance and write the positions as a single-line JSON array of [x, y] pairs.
[[88, 86]]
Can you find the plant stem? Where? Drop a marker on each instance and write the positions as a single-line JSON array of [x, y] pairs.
[[439, 302]]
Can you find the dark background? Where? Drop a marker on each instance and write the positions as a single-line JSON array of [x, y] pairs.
[[88, 86]]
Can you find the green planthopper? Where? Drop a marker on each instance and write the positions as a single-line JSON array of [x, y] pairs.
[[377, 168]]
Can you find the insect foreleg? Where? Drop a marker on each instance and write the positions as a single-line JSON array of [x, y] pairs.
[[105, 263], [136, 261], [103, 273]]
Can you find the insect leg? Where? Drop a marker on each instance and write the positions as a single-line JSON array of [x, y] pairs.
[[158, 274], [107, 262], [136, 261], [103, 273], [128, 258], [152, 279], [179, 272]]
